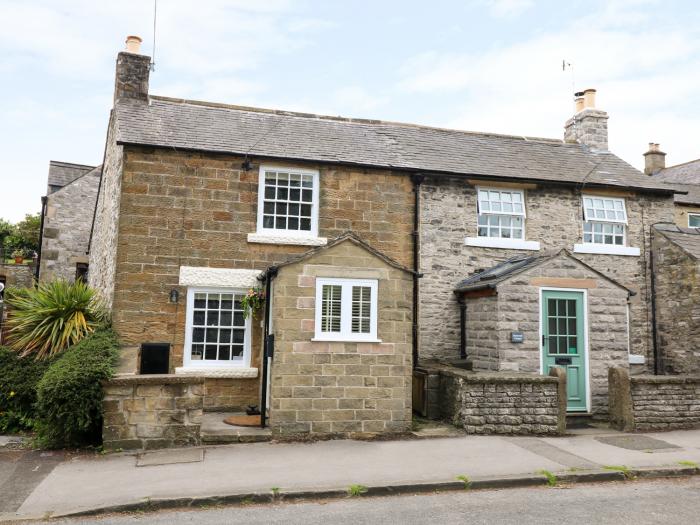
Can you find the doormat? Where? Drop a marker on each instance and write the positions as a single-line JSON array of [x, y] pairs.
[[636, 442], [243, 421]]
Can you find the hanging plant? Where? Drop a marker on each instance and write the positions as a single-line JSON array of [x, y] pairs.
[[253, 301]]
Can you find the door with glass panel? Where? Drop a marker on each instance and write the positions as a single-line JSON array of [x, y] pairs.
[[563, 343]]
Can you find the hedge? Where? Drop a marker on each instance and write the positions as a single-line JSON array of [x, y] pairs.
[[69, 395], [18, 379]]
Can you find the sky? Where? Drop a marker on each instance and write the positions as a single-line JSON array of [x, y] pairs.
[[479, 65]]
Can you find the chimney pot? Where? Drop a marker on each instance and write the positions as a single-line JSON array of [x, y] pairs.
[[578, 102], [589, 98], [133, 44], [654, 159]]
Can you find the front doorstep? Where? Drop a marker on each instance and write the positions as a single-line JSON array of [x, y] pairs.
[[215, 432]]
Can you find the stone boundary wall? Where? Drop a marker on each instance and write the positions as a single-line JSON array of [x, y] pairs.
[[649, 403], [152, 411], [496, 403]]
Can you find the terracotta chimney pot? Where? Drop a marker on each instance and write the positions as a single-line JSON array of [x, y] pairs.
[[133, 44], [589, 98]]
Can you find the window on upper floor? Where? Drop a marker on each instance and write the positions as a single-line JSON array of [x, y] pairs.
[[346, 309], [605, 220], [288, 202], [501, 213], [693, 220]]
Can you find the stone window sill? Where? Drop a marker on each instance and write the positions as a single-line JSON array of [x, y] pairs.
[[497, 242], [282, 238], [637, 359], [344, 340], [236, 372], [606, 249]]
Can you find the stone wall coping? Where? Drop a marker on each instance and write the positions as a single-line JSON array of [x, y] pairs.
[[665, 380], [486, 377], [153, 379]]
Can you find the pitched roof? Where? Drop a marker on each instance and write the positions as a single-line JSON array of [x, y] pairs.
[[495, 275], [688, 239], [285, 135], [94, 172], [62, 173], [350, 237], [687, 175]]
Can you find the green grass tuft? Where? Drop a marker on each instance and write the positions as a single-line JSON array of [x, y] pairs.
[[356, 490], [552, 480]]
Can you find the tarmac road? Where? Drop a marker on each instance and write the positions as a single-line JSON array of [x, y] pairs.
[[675, 501]]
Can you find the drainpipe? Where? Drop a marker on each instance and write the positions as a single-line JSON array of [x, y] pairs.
[[417, 179], [462, 325], [268, 343], [658, 369], [44, 200]]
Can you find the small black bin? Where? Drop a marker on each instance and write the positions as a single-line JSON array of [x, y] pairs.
[[155, 358]]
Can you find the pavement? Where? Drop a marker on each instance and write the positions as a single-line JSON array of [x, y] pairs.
[[246, 472]]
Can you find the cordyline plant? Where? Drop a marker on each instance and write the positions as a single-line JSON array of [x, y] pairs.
[[46, 320]]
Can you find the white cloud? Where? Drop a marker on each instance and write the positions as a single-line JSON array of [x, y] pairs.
[[507, 8], [644, 76]]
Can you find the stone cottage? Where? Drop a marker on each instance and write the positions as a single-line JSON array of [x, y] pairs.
[[676, 260], [357, 232], [67, 218], [684, 176]]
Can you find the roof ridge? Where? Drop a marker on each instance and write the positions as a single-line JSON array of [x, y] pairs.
[[352, 120], [65, 163], [676, 166]]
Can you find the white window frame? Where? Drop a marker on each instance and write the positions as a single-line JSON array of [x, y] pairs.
[[346, 333], [187, 360], [274, 232], [502, 242], [693, 215], [602, 248]]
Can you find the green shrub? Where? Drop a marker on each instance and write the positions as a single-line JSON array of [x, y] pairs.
[[44, 321], [18, 379], [69, 395]]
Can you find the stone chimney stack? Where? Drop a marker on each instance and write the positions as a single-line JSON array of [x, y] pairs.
[[589, 125], [654, 159], [133, 70]]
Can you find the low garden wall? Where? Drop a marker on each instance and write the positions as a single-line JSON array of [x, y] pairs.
[[649, 403], [152, 411], [492, 403]]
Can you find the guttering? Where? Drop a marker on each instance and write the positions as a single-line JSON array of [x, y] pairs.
[[462, 325], [417, 179], [267, 343], [44, 200], [407, 170], [658, 369]]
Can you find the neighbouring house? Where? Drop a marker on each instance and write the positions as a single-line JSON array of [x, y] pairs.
[[676, 260], [684, 176], [359, 233], [67, 218]]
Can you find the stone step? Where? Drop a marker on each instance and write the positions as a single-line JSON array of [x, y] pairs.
[[215, 432]]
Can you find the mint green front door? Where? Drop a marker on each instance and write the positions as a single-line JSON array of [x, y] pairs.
[[563, 342]]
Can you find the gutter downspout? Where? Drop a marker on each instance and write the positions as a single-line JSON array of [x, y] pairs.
[[417, 179], [44, 200], [462, 326], [658, 369], [268, 343]]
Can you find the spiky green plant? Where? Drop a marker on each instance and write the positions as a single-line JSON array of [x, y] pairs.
[[46, 320]]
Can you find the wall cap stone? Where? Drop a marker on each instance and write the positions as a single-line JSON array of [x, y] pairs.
[[485, 377], [152, 379], [649, 379]]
